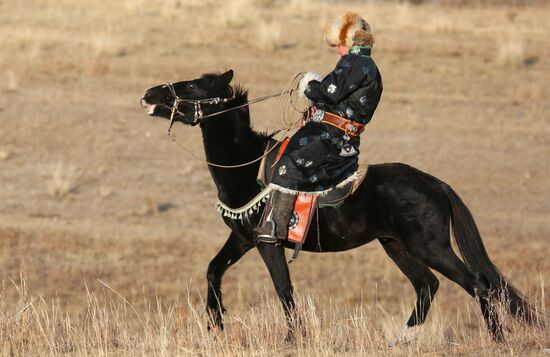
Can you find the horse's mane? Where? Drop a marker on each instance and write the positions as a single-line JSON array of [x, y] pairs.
[[240, 93]]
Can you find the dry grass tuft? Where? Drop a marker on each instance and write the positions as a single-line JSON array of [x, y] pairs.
[[102, 44], [109, 323], [510, 52], [441, 23], [303, 8], [105, 192], [404, 17], [63, 180], [171, 8], [269, 36], [4, 155], [238, 13], [135, 6], [12, 80]]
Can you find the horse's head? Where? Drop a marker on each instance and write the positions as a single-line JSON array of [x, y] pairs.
[[185, 98]]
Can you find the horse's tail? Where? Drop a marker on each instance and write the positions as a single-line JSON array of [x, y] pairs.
[[473, 251]]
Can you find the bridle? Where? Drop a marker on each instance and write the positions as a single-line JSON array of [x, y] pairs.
[[199, 114]]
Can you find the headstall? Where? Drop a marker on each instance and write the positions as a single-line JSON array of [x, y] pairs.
[[199, 114]]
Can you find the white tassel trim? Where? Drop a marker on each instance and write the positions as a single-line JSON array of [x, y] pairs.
[[254, 205], [294, 192], [350, 179], [247, 210]]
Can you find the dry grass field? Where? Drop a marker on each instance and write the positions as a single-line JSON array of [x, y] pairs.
[[106, 228]]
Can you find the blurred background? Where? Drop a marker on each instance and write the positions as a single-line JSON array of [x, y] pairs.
[[91, 188]]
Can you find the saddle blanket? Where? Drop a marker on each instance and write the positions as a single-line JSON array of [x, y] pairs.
[[334, 197]]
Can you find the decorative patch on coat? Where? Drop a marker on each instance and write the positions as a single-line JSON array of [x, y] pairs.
[[331, 89]]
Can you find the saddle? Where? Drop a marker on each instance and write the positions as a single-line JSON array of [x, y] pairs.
[[334, 197], [306, 205]]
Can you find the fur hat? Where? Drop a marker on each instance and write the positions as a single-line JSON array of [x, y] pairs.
[[348, 30]]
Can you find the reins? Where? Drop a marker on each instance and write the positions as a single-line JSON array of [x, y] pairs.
[[199, 116], [173, 138]]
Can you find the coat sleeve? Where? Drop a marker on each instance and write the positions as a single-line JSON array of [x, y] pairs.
[[337, 85]]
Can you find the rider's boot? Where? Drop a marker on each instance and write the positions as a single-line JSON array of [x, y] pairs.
[[276, 228]]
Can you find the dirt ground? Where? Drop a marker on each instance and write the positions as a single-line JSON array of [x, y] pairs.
[[91, 188]]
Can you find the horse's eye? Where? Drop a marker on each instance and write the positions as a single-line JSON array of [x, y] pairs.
[[190, 86]]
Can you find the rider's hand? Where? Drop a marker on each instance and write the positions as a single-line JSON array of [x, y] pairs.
[[306, 78], [307, 115]]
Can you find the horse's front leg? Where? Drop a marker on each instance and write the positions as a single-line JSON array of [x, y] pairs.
[[274, 257], [232, 251]]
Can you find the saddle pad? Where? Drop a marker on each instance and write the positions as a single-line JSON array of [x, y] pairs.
[[333, 198]]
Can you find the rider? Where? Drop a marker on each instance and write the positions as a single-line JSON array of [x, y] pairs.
[[323, 153]]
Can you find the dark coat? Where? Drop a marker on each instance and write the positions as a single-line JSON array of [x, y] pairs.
[[352, 90], [314, 160]]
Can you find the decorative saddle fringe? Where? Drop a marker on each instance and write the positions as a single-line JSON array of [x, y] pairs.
[[350, 179], [247, 210], [254, 205], [295, 192]]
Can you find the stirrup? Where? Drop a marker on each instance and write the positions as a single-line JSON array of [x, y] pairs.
[[270, 238]]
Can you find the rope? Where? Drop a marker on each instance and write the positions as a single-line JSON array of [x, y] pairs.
[[173, 138], [250, 102], [287, 103], [290, 89], [198, 111]]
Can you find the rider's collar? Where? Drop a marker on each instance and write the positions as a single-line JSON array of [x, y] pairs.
[[360, 51]]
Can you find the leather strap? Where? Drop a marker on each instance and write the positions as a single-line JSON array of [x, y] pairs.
[[349, 126]]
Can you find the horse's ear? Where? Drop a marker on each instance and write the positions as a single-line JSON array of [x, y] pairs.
[[225, 78]]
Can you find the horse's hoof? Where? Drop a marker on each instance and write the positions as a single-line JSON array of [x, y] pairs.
[[215, 323], [498, 336], [290, 338], [408, 335], [215, 318], [216, 327]]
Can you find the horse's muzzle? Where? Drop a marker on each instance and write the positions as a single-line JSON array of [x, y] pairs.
[[149, 108]]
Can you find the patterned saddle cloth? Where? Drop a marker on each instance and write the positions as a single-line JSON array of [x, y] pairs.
[[333, 198]]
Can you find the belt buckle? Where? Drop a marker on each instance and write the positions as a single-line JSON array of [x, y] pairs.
[[352, 128], [318, 116]]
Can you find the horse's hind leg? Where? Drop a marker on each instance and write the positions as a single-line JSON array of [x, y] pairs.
[[444, 260], [421, 277], [233, 249]]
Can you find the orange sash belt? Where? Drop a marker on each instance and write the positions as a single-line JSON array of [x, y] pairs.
[[349, 126]]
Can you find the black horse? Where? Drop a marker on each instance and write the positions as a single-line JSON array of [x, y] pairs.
[[407, 210]]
